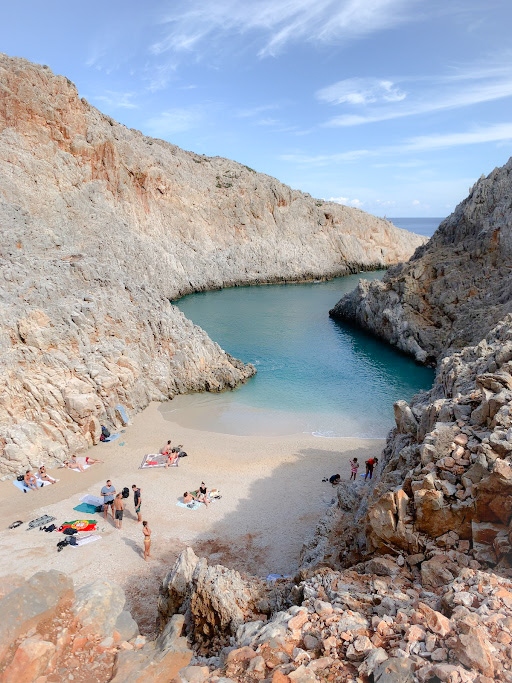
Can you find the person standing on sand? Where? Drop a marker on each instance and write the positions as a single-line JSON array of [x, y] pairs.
[[119, 510], [147, 540], [137, 501], [109, 493], [370, 464], [354, 466]]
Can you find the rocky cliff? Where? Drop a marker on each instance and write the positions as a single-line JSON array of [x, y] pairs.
[[100, 228], [455, 288]]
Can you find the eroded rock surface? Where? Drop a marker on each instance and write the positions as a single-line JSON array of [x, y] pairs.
[[455, 288], [100, 228]]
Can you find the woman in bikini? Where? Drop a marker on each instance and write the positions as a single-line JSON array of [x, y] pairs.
[[147, 540], [202, 494], [43, 476]]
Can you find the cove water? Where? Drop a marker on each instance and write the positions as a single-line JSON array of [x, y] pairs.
[[314, 374]]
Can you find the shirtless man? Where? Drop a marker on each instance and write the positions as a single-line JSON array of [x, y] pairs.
[[30, 480], [118, 510], [147, 540], [165, 450]]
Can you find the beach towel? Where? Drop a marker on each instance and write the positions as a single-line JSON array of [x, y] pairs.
[[84, 540], [95, 501], [43, 481], [122, 413], [40, 521], [21, 486], [194, 505], [79, 525], [86, 508], [112, 437], [154, 460]]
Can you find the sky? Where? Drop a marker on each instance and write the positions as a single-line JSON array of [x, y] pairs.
[[396, 107]]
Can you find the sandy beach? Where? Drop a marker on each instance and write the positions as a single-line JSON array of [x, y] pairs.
[[272, 497]]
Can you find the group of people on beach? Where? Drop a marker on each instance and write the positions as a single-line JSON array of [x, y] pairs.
[[370, 464], [115, 502]]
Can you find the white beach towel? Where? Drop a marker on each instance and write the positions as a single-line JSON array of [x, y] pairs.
[[90, 538], [91, 500]]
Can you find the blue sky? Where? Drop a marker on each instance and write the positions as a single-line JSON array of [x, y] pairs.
[[393, 106]]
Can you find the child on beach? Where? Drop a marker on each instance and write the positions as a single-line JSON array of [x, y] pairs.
[[354, 466]]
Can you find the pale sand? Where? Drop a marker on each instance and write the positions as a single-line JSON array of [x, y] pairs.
[[272, 498]]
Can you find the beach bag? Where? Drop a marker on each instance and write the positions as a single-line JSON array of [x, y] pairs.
[[125, 492], [62, 544], [104, 432], [99, 508], [20, 477], [182, 454], [215, 493], [69, 531]]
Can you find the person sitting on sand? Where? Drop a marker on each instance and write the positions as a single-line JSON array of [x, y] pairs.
[[188, 497], [30, 480], [202, 495], [43, 476], [165, 450], [173, 459]]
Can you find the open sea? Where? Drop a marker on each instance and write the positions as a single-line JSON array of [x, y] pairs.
[[315, 375], [421, 226]]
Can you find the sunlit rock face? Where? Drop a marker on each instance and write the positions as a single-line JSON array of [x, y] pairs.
[[455, 288], [100, 227]]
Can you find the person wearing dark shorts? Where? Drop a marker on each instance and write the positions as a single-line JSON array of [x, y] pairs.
[[137, 501], [109, 493], [370, 464], [118, 510]]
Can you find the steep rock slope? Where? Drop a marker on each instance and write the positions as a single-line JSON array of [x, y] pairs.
[[100, 227], [455, 288]]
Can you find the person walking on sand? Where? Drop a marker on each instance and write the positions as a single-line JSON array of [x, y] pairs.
[[137, 501], [119, 510], [147, 540], [109, 493], [354, 466], [370, 464]]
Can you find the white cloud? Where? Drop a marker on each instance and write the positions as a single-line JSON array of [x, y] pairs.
[[173, 121], [346, 201], [121, 100], [361, 91], [499, 133], [383, 100], [277, 24]]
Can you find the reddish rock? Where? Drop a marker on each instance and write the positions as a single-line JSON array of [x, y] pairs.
[[435, 621], [30, 661], [473, 650], [298, 621]]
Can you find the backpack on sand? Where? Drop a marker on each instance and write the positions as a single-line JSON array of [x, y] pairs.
[[125, 492]]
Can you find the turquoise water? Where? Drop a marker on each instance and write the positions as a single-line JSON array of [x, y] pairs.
[[314, 374]]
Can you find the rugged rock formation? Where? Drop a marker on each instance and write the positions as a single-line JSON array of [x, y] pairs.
[[49, 634], [455, 288], [100, 228]]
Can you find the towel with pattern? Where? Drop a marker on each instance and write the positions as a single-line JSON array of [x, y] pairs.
[[155, 460]]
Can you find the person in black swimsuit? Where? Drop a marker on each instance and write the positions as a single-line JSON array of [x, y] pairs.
[[202, 495]]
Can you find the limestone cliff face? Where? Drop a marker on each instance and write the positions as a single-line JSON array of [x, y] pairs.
[[455, 288], [100, 227]]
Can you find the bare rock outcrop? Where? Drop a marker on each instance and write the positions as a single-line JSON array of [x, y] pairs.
[[101, 227], [454, 289]]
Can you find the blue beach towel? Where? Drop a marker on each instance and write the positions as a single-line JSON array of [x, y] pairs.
[[112, 437], [25, 489], [122, 412], [190, 506], [86, 508]]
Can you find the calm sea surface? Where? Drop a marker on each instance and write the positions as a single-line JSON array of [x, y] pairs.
[[421, 226], [314, 374]]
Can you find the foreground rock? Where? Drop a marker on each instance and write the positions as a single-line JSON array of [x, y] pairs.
[[454, 289], [100, 228]]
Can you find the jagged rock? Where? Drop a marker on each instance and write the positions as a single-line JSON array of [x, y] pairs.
[[29, 662], [99, 607], [472, 650], [394, 670], [38, 598], [494, 495]]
